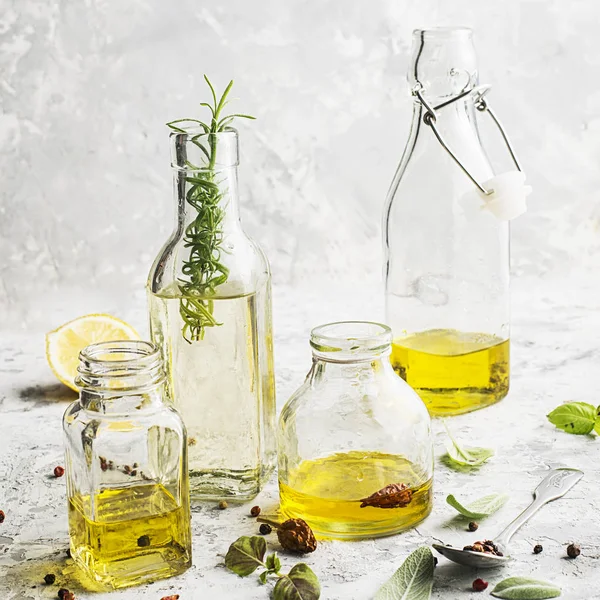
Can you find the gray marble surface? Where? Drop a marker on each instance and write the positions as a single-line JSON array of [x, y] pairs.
[[554, 357]]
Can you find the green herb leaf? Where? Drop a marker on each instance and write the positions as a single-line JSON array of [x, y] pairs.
[[273, 563], [245, 555], [523, 588], [574, 417], [413, 580], [465, 456], [484, 507], [202, 271], [299, 584], [263, 577]]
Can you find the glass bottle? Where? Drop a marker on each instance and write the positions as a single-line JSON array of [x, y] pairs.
[[126, 469], [353, 429], [209, 294], [446, 259]]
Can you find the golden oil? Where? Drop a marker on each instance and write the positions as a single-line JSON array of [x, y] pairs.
[[327, 494], [454, 372], [137, 534]]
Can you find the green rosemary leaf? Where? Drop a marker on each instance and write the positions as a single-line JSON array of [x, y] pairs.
[[413, 580], [203, 271], [223, 99], [524, 588], [481, 508], [245, 555], [212, 89], [574, 417]]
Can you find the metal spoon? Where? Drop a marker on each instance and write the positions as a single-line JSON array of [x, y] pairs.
[[555, 485]]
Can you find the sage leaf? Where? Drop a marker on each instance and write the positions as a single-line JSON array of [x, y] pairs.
[[574, 417], [479, 509], [524, 588], [299, 584], [413, 580], [245, 555], [465, 456]]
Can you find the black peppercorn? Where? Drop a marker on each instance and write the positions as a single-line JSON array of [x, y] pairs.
[[265, 529], [143, 541], [573, 550], [50, 578], [2, 515], [538, 548], [473, 526]]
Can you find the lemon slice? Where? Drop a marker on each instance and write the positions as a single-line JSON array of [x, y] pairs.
[[64, 344]]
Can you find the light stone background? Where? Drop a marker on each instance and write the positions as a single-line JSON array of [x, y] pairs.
[[85, 202]]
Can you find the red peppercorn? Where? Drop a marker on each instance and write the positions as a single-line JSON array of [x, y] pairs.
[[479, 585], [59, 471], [255, 511], [2, 515]]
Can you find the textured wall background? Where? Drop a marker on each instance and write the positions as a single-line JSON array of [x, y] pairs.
[[87, 85]]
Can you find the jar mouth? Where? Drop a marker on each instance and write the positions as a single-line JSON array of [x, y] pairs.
[[351, 340], [120, 366]]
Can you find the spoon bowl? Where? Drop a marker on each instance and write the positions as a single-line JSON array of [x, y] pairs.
[[555, 485], [469, 558]]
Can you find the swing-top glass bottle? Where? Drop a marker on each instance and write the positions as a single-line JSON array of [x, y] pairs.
[[446, 259]]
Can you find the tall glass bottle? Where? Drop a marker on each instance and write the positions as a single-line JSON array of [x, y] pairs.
[[210, 314], [446, 260]]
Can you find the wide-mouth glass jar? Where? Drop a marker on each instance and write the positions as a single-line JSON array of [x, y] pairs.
[[126, 469], [355, 448]]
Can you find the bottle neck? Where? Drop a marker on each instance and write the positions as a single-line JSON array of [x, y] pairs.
[[349, 373], [120, 377], [210, 197]]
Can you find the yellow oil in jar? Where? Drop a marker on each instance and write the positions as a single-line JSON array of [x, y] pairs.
[[138, 534], [454, 372], [327, 494]]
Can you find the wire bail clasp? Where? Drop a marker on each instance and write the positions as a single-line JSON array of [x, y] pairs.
[[482, 105]]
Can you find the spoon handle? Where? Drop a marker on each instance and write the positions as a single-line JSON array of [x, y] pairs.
[[555, 485]]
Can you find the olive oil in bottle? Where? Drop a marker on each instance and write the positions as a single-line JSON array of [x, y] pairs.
[[454, 372], [328, 493], [127, 536]]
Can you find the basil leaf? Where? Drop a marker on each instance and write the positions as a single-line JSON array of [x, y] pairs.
[[413, 580], [465, 456], [299, 584], [524, 588], [484, 507], [245, 555], [273, 563], [574, 417]]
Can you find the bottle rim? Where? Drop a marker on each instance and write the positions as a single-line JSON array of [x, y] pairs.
[[191, 148], [449, 32], [120, 366], [350, 341]]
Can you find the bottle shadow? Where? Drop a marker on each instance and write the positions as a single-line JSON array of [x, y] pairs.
[[49, 393]]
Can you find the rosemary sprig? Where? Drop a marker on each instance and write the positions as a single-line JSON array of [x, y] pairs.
[[203, 270]]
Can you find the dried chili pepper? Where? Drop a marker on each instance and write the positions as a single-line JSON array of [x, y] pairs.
[[395, 495]]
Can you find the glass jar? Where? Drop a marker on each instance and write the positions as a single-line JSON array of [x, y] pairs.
[[209, 294], [126, 469], [355, 449], [446, 259]]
